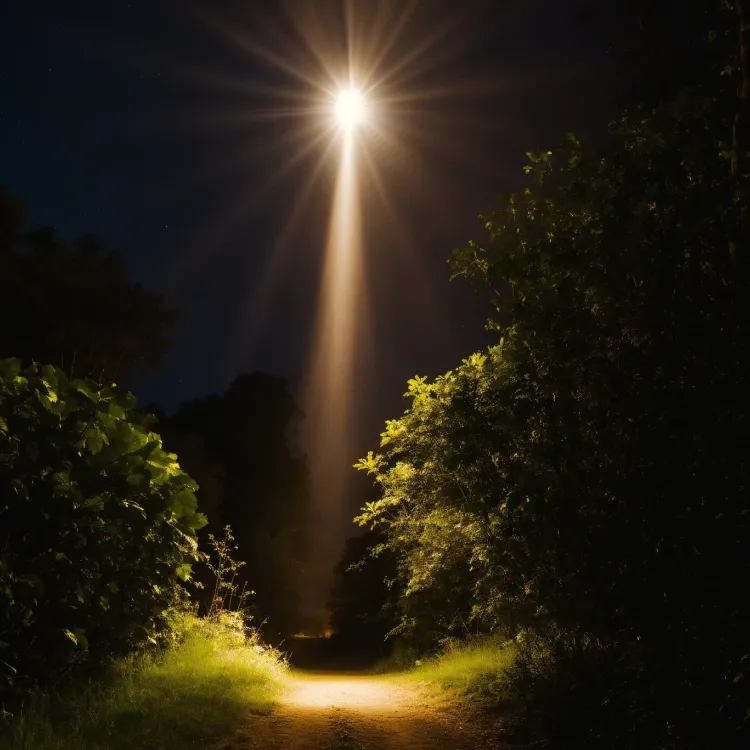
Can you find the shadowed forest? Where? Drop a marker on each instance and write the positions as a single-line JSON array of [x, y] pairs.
[[555, 550]]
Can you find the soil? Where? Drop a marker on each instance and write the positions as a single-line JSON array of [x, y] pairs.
[[350, 711]]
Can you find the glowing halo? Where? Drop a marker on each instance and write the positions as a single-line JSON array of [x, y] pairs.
[[350, 109]]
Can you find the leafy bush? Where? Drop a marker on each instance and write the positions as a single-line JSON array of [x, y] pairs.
[[587, 476], [581, 694], [97, 524], [191, 694]]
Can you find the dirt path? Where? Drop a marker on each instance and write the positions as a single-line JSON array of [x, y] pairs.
[[340, 711]]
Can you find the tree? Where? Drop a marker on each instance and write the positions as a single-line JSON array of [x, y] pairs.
[[97, 524], [261, 483], [592, 467], [74, 307], [441, 508], [363, 594]]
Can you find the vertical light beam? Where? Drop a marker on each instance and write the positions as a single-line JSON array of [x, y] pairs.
[[337, 338]]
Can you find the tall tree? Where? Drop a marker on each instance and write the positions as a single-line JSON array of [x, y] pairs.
[[363, 594], [75, 307], [246, 455], [589, 474]]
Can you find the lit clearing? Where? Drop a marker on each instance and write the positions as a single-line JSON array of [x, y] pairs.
[[344, 710]]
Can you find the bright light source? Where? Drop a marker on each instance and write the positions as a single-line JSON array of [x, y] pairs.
[[350, 109]]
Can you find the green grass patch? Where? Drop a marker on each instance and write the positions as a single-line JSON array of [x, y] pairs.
[[192, 694], [473, 669]]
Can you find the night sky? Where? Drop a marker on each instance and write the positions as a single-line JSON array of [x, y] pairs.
[[164, 129]]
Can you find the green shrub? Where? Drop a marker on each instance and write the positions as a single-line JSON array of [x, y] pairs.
[[192, 693], [473, 669], [97, 525], [572, 695]]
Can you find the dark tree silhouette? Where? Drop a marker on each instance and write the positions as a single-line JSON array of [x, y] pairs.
[[240, 447], [362, 600], [75, 307]]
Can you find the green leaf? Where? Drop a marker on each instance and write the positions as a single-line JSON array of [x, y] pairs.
[[116, 410], [182, 503], [186, 481], [161, 459], [138, 481], [193, 522], [95, 439], [82, 387], [49, 377]]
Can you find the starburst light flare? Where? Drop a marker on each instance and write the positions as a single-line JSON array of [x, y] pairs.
[[350, 109]]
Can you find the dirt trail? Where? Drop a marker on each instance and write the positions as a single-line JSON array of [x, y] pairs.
[[344, 711]]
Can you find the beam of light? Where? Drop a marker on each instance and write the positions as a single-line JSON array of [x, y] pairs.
[[339, 338]]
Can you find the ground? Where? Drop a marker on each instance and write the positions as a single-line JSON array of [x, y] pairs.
[[350, 711]]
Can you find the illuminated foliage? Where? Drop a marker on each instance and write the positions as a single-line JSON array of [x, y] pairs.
[[97, 524], [586, 480]]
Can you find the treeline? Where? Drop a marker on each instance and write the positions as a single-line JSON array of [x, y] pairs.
[[99, 522], [74, 307], [582, 486]]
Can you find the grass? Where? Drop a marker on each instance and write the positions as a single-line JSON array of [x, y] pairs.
[[473, 670], [193, 694]]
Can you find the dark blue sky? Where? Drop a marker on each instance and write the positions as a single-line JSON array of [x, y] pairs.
[[137, 122]]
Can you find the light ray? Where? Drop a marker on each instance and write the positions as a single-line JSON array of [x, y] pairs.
[[383, 35], [258, 305], [273, 49], [402, 237], [337, 338], [216, 235]]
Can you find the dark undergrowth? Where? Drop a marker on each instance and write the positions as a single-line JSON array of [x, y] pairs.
[[548, 693]]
